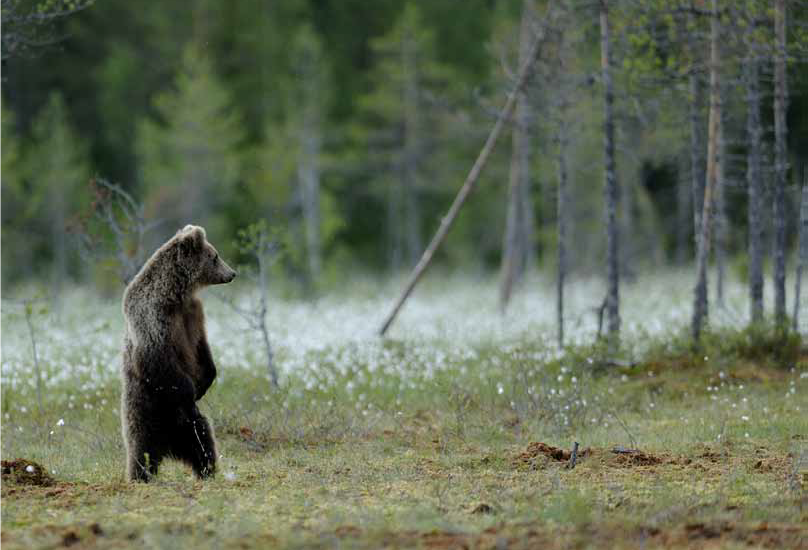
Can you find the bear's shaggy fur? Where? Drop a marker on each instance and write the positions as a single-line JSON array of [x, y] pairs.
[[167, 364]]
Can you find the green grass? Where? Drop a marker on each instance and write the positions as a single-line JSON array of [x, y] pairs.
[[370, 456]]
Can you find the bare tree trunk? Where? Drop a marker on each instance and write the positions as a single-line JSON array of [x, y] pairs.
[[262, 310], [309, 177], [720, 213], [700, 306], [412, 148], [309, 164], [310, 180], [780, 163], [683, 196], [518, 229], [803, 254], [527, 218], [58, 218], [58, 241], [696, 146], [754, 186], [611, 189], [394, 224], [561, 221]]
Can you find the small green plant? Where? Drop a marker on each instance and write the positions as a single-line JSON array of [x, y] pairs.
[[764, 343]]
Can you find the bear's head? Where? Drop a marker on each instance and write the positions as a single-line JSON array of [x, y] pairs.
[[199, 259]]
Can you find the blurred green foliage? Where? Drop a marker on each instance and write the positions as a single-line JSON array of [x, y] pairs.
[[198, 111]]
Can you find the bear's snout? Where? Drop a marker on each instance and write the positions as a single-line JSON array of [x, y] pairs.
[[226, 273]]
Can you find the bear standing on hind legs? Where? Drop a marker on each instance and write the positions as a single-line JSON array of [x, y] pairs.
[[167, 364]]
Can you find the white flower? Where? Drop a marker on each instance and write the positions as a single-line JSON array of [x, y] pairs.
[[745, 418], [61, 422], [29, 469]]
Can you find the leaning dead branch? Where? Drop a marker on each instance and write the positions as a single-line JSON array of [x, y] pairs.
[[525, 74]]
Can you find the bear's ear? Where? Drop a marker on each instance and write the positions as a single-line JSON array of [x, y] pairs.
[[192, 239], [190, 227]]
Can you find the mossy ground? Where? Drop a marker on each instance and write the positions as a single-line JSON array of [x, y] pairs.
[[441, 461]]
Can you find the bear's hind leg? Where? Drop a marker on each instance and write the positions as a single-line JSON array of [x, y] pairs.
[[142, 465], [196, 446]]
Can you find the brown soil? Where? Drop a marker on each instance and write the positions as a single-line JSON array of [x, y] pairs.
[[623, 459], [705, 459], [635, 458], [537, 449], [722, 534], [25, 472], [690, 535]]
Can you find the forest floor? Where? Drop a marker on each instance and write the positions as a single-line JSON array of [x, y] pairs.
[[674, 452], [453, 433]]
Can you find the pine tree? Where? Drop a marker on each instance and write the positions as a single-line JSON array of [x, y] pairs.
[[189, 160], [56, 171], [309, 112], [400, 127], [284, 172], [13, 195]]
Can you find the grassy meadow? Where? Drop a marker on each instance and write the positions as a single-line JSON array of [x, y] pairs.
[[455, 432]]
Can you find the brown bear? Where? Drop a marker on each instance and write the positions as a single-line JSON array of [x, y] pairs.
[[167, 364]]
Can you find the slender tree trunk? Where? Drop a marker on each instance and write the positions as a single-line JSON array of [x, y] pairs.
[[309, 177], [58, 220], [781, 163], [611, 189], [696, 146], [312, 82], [527, 217], [754, 186], [683, 196], [395, 232], [561, 221], [720, 213], [803, 255], [412, 148], [58, 240], [518, 221], [263, 297], [700, 307]]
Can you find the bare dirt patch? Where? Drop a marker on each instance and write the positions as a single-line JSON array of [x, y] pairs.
[[701, 535], [762, 460], [25, 472], [617, 457], [721, 534], [537, 449]]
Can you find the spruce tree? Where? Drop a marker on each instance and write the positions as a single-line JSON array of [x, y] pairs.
[[55, 183], [189, 152], [401, 123]]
